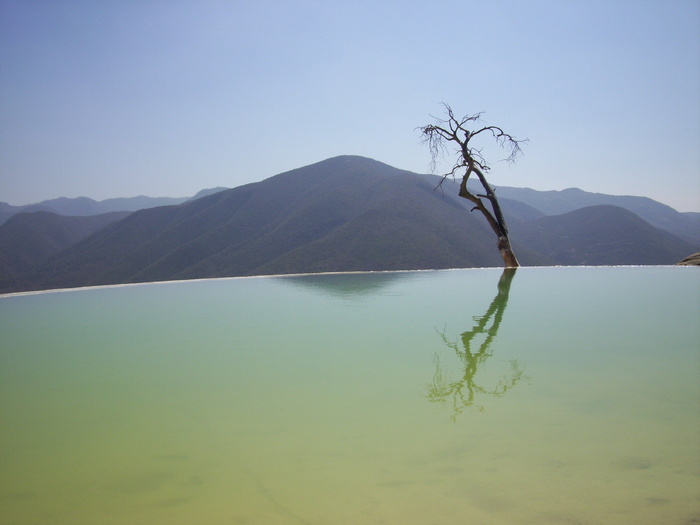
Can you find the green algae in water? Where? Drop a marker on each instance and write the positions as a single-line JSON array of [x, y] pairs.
[[557, 395]]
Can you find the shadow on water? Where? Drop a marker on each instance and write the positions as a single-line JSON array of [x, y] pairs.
[[348, 284], [464, 392]]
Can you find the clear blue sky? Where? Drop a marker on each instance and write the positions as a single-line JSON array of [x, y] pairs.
[[116, 98]]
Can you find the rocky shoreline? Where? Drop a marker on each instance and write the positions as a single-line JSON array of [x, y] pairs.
[[691, 260]]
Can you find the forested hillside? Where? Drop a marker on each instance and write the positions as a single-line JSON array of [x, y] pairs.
[[342, 214]]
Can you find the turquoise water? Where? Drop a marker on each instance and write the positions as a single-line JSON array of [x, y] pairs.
[[551, 395]]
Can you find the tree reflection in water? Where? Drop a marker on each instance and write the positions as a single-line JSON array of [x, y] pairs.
[[463, 392]]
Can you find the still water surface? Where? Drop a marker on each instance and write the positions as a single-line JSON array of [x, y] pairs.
[[547, 396]]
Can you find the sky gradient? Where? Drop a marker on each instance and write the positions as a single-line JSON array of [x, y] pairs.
[[167, 97]]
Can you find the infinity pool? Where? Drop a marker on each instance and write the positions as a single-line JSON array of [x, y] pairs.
[[542, 396]]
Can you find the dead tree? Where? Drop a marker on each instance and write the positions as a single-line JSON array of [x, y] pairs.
[[470, 159]]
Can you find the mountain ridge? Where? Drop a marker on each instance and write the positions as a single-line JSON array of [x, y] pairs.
[[26, 239], [347, 213], [85, 206], [621, 237], [557, 202], [685, 225]]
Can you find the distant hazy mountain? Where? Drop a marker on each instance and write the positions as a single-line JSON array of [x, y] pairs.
[[601, 235], [84, 206], [342, 214], [7, 210], [27, 239], [683, 225]]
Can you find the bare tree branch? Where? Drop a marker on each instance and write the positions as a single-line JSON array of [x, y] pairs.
[[469, 158]]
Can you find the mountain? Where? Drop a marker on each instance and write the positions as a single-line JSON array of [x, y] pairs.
[[84, 206], [600, 235], [7, 210], [683, 225], [27, 239], [208, 191], [342, 214]]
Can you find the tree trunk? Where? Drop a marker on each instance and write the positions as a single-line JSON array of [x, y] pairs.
[[496, 219], [507, 252]]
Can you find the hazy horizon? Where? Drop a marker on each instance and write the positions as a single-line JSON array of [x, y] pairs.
[[164, 195]]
